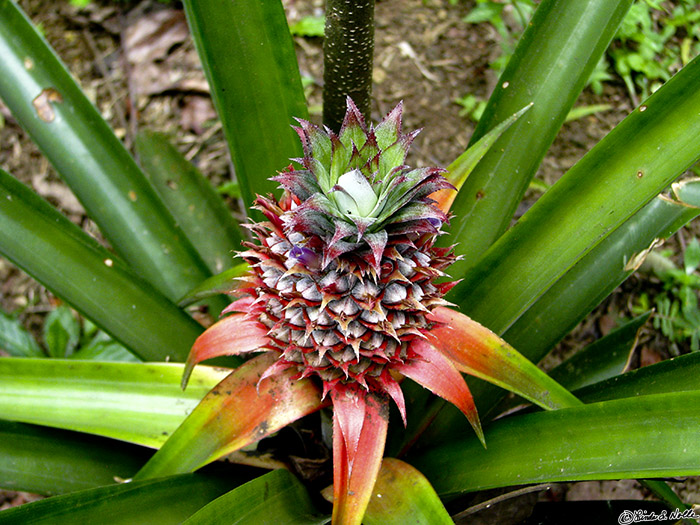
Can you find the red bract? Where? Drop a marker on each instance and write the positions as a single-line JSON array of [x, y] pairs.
[[342, 291]]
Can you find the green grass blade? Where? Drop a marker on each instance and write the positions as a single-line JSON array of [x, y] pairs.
[[49, 104], [276, 497], [631, 165], [549, 68], [194, 203], [135, 402], [645, 437], [95, 282], [162, 501], [251, 67], [47, 461]]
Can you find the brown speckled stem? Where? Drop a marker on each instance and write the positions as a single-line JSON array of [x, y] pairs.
[[348, 48]]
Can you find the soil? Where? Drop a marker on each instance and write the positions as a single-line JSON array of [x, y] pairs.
[[137, 63]]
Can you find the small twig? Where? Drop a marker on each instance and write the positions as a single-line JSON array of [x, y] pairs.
[[100, 65], [201, 140], [498, 499], [131, 99], [407, 51]]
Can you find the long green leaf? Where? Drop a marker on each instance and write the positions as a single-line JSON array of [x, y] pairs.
[[553, 60], [644, 437], [276, 497], [603, 359], [192, 200], [140, 403], [47, 461], [674, 375], [251, 67], [640, 157], [462, 166], [49, 104], [155, 502], [95, 282]]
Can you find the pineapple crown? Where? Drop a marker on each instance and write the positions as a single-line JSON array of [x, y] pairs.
[[354, 189]]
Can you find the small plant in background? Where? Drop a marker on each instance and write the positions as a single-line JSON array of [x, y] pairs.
[[640, 52], [63, 336], [508, 18], [677, 313], [341, 290], [472, 107]]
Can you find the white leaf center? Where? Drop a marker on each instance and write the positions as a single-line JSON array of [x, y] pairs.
[[355, 195]]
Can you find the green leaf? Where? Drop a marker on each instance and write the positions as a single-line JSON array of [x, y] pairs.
[[483, 13], [403, 495], [156, 502], [691, 257], [49, 104], [605, 358], [476, 350], [93, 280], [256, 90], [136, 402], [192, 200], [276, 497], [459, 170], [223, 282], [47, 461], [644, 437], [673, 375], [232, 189], [15, 340], [553, 60], [61, 332], [105, 351], [595, 197]]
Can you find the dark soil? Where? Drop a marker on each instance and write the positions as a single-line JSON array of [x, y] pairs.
[[135, 60]]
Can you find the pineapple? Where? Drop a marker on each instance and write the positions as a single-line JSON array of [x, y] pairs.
[[344, 268]]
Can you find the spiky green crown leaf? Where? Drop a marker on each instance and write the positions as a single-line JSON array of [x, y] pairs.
[[355, 188]]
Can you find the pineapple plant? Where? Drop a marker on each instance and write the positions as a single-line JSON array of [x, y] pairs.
[[344, 295], [346, 288]]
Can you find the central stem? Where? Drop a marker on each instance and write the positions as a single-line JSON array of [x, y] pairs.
[[348, 48]]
